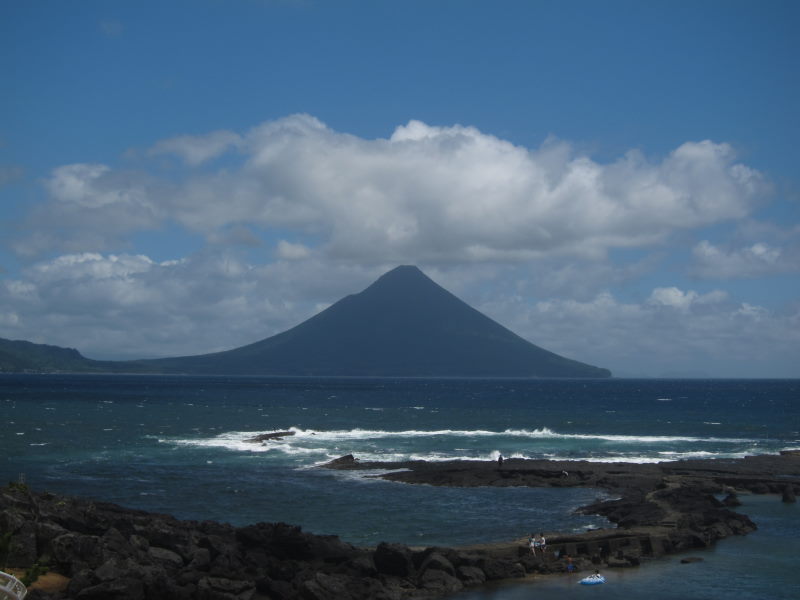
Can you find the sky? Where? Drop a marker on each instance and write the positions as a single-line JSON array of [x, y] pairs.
[[614, 181]]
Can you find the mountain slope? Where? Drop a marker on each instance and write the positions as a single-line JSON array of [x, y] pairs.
[[404, 324]]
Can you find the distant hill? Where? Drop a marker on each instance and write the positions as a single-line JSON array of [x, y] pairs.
[[403, 325], [20, 356]]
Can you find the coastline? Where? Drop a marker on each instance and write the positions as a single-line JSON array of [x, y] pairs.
[[106, 550]]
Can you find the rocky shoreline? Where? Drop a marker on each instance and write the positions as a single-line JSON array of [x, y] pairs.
[[105, 551]]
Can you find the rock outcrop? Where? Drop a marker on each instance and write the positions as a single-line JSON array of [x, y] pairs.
[[109, 552]]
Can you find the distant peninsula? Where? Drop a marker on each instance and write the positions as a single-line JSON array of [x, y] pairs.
[[403, 325]]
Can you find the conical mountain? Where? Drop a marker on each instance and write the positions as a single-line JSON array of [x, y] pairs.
[[403, 325]]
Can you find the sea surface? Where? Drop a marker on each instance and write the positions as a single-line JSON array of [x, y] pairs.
[[178, 445]]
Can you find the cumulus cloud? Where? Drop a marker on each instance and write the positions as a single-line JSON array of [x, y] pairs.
[[425, 194], [754, 260], [673, 332], [197, 149], [92, 208], [320, 214], [129, 306], [292, 251], [677, 299]]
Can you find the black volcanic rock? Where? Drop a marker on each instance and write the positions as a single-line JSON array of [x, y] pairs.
[[404, 324]]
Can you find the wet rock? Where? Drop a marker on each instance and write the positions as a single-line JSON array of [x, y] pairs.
[[435, 561], [731, 500], [440, 581], [788, 495], [501, 569], [393, 559], [275, 435], [220, 588], [168, 558], [471, 575]]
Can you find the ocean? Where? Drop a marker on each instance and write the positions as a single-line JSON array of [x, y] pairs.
[[178, 445]]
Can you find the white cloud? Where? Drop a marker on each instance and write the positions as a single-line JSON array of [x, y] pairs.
[[500, 225], [92, 208], [682, 332], [292, 251], [130, 306], [674, 297], [197, 149], [425, 194], [754, 260]]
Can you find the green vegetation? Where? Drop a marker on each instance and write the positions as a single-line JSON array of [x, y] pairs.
[[32, 574]]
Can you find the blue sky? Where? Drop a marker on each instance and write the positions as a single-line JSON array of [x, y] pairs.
[[614, 181]]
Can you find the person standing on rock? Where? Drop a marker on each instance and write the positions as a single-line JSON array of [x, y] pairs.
[[500, 462], [570, 564]]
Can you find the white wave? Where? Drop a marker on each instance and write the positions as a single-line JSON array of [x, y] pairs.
[[322, 445], [542, 433]]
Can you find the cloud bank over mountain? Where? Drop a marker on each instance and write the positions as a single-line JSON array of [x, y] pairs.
[[291, 214], [426, 193]]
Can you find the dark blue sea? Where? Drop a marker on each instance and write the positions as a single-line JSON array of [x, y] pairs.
[[177, 445]]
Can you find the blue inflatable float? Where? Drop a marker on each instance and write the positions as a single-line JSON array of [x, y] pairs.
[[593, 579]]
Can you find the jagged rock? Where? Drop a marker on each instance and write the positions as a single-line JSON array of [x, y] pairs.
[[619, 563], [200, 559], [471, 575], [166, 557], [220, 588], [436, 561], [118, 554], [275, 435], [75, 552], [393, 559], [501, 569], [325, 587], [731, 500], [343, 462], [276, 590], [440, 581], [363, 565], [116, 589], [22, 552]]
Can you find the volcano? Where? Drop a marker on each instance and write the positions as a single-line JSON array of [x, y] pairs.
[[403, 325]]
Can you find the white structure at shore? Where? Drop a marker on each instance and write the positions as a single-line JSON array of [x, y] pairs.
[[11, 588]]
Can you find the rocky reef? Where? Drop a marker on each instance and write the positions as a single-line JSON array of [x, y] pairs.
[[108, 552], [103, 551]]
